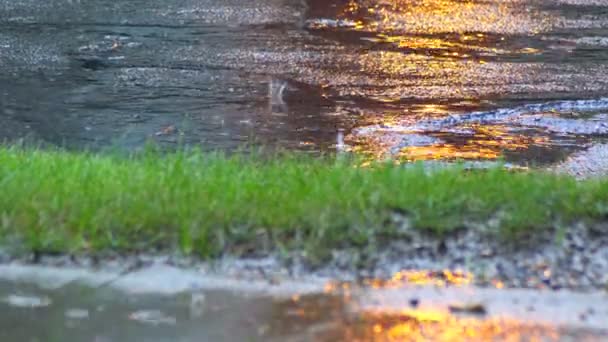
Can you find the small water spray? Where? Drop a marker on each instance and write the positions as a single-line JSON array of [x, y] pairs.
[[276, 88], [340, 146]]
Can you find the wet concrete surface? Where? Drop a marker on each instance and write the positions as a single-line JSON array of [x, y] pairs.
[[294, 74], [75, 309]]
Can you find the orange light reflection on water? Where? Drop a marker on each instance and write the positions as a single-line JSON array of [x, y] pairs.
[[423, 277], [487, 142], [441, 16], [427, 324], [422, 320], [437, 49], [442, 326]]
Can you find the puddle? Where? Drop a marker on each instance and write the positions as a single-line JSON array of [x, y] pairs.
[[80, 313], [485, 135], [451, 79], [169, 304], [479, 77]]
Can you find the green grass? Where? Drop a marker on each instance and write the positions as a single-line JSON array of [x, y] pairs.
[[208, 204]]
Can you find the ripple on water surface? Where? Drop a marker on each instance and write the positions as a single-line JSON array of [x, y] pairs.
[[390, 74]]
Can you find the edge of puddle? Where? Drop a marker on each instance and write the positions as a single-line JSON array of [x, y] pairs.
[[158, 279], [563, 308]]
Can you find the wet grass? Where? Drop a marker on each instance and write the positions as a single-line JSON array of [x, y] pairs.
[[208, 204]]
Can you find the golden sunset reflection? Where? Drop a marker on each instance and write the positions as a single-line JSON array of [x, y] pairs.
[[448, 151], [442, 326], [488, 142], [472, 142], [399, 309], [435, 72], [422, 277], [441, 16], [420, 322], [424, 50]]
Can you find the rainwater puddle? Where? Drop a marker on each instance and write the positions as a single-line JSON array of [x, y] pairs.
[[519, 80], [79, 313]]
